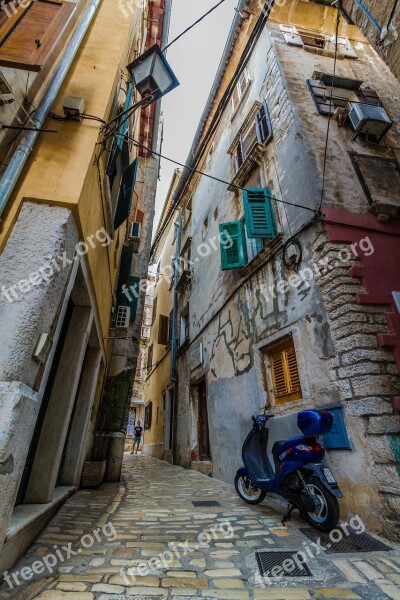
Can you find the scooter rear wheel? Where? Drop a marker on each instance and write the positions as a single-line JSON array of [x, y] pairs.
[[326, 516], [247, 492]]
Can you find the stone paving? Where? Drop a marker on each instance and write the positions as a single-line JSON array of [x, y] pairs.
[[105, 539]]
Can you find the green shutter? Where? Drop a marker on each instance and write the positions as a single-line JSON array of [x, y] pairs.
[[259, 214], [125, 194], [232, 245], [123, 129], [120, 137], [133, 286]]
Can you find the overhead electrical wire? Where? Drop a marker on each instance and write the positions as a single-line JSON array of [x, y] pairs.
[[244, 58], [193, 25], [193, 170]]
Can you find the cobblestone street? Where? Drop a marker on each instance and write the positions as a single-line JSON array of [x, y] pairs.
[[152, 512]]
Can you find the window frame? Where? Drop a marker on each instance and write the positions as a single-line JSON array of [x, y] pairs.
[[280, 347]]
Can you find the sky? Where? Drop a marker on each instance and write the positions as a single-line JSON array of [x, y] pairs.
[[194, 59]]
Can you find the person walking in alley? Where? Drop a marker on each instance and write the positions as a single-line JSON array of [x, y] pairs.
[[138, 431]]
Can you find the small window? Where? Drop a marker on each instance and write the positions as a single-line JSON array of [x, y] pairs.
[[282, 362], [184, 329], [150, 357], [240, 89], [311, 41], [29, 33], [163, 330], [258, 132], [346, 92], [154, 313], [148, 415]]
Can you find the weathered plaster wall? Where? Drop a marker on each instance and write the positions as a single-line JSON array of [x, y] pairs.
[[40, 231], [234, 319], [381, 10], [158, 379]]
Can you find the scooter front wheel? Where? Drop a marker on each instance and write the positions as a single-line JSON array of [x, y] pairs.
[[248, 492]]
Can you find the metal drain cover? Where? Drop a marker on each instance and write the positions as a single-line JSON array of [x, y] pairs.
[[268, 560], [350, 541], [205, 503]]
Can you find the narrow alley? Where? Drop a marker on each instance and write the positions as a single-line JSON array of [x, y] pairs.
[[110, 539]]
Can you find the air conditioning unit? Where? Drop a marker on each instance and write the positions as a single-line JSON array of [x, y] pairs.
[[123, 317], [370, 120]]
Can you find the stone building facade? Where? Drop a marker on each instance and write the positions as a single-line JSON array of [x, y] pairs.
[[68, 245], [315, 293]]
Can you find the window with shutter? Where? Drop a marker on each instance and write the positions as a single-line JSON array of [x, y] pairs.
[[263, 124], [259, 214], [148, 416], [154, 314], [139, 217], [163, 330], [232, 245], [28, 36], [124, 127], [150, 358], [285, 372], [138, 373], [322, 97], [240, 89], [123, 209]]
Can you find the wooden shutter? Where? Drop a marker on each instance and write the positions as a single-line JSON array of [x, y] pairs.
[[154, 314], [29, 43], [249, 140], [139, 217], [239, 157], [148, 416], [232, 245], [126, 194], [263, 124], [150, 357], [369, 97], [163, 330], [321, 96], [138, 373], [285, 373], [259, 213]]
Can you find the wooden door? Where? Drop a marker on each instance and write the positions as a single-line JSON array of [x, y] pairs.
[[204, 434]]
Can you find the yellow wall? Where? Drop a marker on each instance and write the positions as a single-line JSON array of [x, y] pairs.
[[158, 381], [61, 169]]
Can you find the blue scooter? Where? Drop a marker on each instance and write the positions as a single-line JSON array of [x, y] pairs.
[[281, 456]]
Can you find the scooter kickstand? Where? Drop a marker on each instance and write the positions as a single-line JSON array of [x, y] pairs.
[[288, 515]]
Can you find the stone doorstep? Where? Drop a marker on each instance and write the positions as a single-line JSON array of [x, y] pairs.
[[27, 521]]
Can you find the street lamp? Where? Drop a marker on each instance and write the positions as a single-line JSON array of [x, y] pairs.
[[152, 74]]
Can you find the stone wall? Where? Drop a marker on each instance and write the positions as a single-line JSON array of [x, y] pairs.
[[381, 10], [366, 378]]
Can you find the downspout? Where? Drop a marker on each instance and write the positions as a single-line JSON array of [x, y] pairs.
[[164, 40], [368, 14], [174, 339], [25, 146]]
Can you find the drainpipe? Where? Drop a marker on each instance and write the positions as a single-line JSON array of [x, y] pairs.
[[25, 146], [368, 14], [174, 341]]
